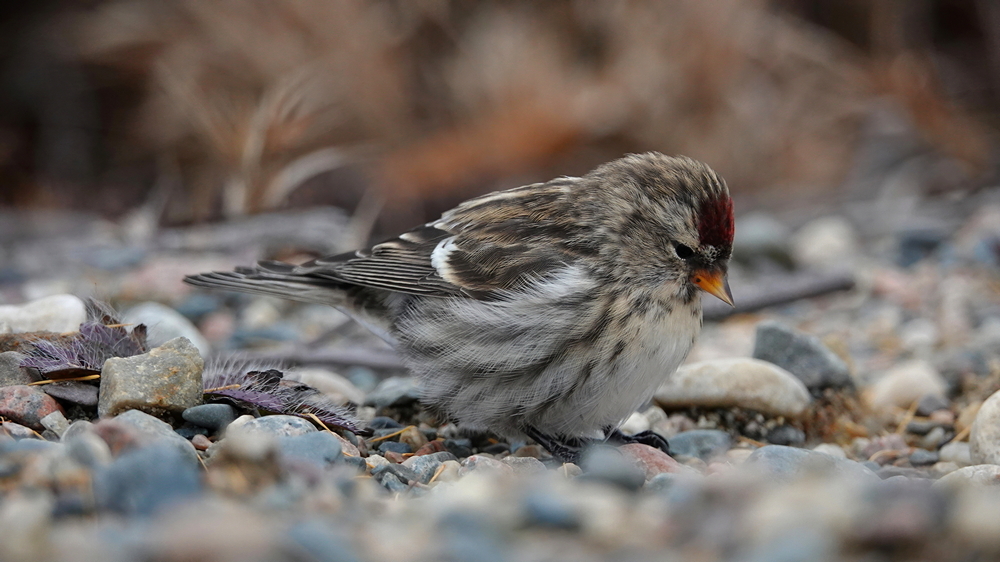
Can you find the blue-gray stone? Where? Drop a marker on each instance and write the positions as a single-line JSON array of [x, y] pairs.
[[320, 543], [550, 511], [210, 416], [390, 480], [607, 464], [362, 377], [786, 435], [788, 463], [156, 430], [394, 446], [701, 443], [393, 391], [26, 446], [426, 465], [405, 474], [923, 457], [801, 354], [461, 448], [662, 482], [384, 422], [319, 448], [144, 481], [76, 392], [278, 426]]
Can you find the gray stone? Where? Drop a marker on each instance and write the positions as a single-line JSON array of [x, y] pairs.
[[145, 481], [210, 416], [88, 449], [550, 511], [923, 457], [802, 355], [394, 446], [525, 465], [762, 237], [277, 426], [984, 438], [165, 380], [164, 324], [607, 464], [980, 474], [58, 313], [786, 435], [704, 444], [76, 392], [957, 452], [931, 403], [153, 430], [740, 382], [77, 428], [425, 466], [11, 371], [789, 462], [394, 391], [318, 447], [55, 422]]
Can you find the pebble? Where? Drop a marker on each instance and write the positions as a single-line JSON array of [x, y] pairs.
[[17, 431], [336, 387], [55, 422], [826, 243], [210, 416], [461, 448], [526, 466], [984, 440], [785, 435], [704, 444], [165, 380], [652, 460], [614, 466], [145, 481], [76, 392], [164, 324], [425, 466], [923, 457], [740, 382], [395, 447], [980, 475], [788, 462], [413, 437], [393, 392], [802, 355], [11, 371], [830, 449], [904, 384], [26, 405], [88, 449], [958, 452], [320, 448], [277, 426], [476, 463], [635, 423], [201, 442], [383, 422], [150, 430], [57, 313]]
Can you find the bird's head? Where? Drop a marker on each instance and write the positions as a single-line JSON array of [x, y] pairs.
[[672, 221]]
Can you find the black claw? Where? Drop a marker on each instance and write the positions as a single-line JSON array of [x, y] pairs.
[[648, 437], [566, 449]]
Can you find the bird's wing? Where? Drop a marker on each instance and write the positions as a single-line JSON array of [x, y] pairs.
[[480, 249]]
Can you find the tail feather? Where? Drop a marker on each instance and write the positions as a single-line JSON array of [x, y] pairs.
[[263, 282]]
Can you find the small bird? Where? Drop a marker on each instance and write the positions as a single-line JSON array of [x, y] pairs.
[[552, 310]]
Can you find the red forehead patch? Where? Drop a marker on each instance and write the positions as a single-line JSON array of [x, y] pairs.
[[716, 224]]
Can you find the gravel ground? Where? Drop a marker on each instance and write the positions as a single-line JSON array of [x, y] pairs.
[[856, 425]]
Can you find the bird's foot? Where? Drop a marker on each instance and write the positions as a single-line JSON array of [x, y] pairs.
[[648, 437], [562, 447]]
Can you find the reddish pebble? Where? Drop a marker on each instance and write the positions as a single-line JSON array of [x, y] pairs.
[[201, 442], [429, 448], [346, 446], [394, 457], [653, 461], [26, 405]]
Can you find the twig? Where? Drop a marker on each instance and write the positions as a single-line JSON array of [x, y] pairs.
[[50, 381], [373, 358], [393, 434], [778, 290]]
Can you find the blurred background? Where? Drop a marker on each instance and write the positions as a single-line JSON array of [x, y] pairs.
[[398, 109]]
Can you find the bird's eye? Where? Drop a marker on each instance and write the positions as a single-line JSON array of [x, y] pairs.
[[683, 251]]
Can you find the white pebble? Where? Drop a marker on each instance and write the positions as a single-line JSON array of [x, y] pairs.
[[58, 313]]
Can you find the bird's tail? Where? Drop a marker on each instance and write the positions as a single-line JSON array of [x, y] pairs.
[[273, 279]]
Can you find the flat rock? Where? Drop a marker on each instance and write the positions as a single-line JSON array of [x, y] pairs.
[[58, 313], [164, 324], [790, 462], [741, 382], [984, 438], [905, 384], [425, 466], [802, 355], [145, 481], [276, 426], [318, 447], [701, 443], [650, 459], [152, 430], [11, 371], [77, 392], [165, 380], [210, 416], [979, 475], [26, 405]]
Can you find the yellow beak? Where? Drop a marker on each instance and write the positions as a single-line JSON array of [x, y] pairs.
[[715, 283]]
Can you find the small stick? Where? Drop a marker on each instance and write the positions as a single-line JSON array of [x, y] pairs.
[[217, 389], [910, 414], [50, 381], [393, 434]]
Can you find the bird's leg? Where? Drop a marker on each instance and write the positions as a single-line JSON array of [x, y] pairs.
[[648, 437], [566, 449]]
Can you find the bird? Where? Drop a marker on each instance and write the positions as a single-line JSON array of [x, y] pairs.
[[551, 311]]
